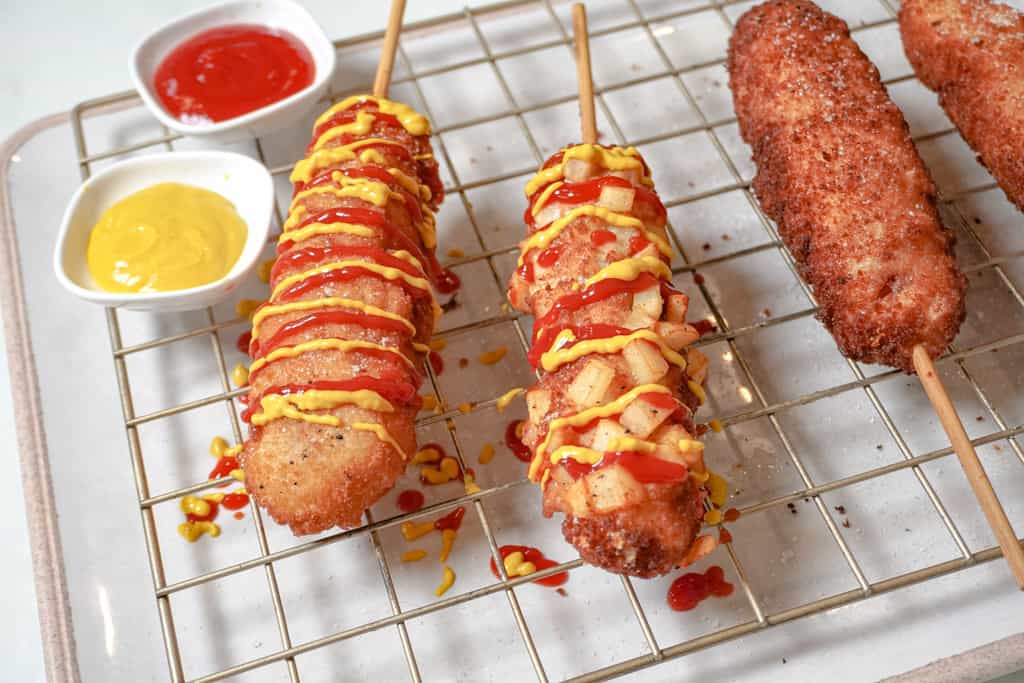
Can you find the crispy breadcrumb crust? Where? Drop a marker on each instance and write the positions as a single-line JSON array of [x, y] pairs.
[[314, 477], [838, 172], [971, 52]]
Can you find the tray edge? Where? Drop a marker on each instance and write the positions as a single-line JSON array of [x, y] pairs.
[[56, 629]]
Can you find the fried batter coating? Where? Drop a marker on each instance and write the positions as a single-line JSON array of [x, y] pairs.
[[615, 521], [971, 52], [311, 476], [838, 172]]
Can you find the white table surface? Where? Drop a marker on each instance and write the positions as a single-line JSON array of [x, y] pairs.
[[38, 77]]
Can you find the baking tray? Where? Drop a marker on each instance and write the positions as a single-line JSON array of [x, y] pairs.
[[859, 542]]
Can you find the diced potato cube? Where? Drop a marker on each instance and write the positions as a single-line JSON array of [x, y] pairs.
[[616, 198], [640, 418], [576, 498], [538, 403], [696, 366], [576, 170], [518, 293], [645, 361], [648, 302], [677, 335], [676, 306], [667, 437], [611, 488], [591, 385], [638, 320], [604, 432]]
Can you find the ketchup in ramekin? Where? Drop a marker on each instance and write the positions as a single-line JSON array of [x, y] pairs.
[[231, 70]]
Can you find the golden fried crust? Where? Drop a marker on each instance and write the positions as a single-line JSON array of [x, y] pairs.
[[643, 540], [971, 52], [315, 477], [838, 172]]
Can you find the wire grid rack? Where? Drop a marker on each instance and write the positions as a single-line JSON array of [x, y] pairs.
[[761, 406]]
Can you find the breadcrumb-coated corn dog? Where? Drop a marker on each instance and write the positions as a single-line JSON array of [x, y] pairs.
[[838, 172], [610, 420], [971, 52], [337, 349]]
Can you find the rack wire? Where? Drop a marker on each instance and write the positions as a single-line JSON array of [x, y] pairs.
[[726, 333]]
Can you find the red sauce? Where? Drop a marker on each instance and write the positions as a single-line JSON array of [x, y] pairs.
[[410, 501], [525, 271], [731, 515], [229, 71], [344, 274], [534, 555], [447, 282], [436, 362], [453, 520], [208, 517], [703, 327], [349, 115], [692, 588], [547, 336], [637, 243], [549, 256], [599, 238], [396, 391], [305, 256], [599, 291], [235, 500], [239, 515], [260, 348], [724, 536], [224, 467], [363, 216], [589, 191], [243, 341], [326, 177], [645, 468], [515, 444]]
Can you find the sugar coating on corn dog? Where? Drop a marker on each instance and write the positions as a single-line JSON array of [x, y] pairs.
[[338, 347], [838, 172], [971, 52], [611, 419]]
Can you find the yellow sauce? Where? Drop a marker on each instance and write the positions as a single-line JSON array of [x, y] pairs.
[[414, 530], [543, 238], [448, 578], [326, 302], [385, 271], [608, 409], [371, 191], [448, 537], [544, 197], [611, 159], [630, 269], [505, 399], [382, 434], [328, 344], [314, 229], [414, 122], [293, 405], [552, 360], [166, 237], [413, 555], [240, 375]]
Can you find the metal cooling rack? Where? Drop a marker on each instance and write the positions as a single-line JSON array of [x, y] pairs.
[[762, 408]]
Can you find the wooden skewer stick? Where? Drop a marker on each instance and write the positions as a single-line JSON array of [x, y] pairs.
[[973, 468], [387, 54], [588, 118]]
